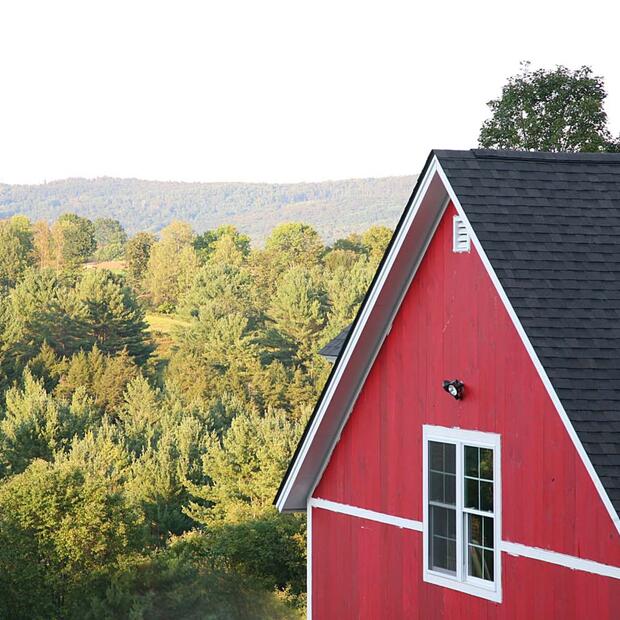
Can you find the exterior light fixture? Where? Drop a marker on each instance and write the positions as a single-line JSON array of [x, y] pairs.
[[454, 388]]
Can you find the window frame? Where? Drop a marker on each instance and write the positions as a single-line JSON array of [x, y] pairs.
[[461, 581]]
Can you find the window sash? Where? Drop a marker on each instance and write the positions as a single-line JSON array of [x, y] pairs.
[[462, 574]]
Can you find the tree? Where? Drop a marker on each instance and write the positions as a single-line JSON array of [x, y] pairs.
[[172, 261], [111, 316], [16, 249], [110, 237], [205, 243], [35, 426], [63, 534], [75, 239], [375, 239], [298, 310], [555, 110], [137, 254]]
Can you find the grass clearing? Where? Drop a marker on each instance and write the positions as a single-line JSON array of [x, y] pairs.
[[162, 327]]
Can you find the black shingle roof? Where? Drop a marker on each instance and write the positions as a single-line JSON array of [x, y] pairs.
[[333, 347], [550, 226]]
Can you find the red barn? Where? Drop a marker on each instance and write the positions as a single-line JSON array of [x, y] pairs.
[[463, 460]]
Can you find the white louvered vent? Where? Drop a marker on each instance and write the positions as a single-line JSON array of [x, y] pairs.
[[461, 236]]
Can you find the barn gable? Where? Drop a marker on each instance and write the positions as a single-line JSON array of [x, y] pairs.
[[543, 227], [451, 324]]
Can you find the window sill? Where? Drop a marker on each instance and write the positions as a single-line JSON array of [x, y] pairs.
[[490, 592]]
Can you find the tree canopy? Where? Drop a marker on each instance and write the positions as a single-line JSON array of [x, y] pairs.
[[550, 110]]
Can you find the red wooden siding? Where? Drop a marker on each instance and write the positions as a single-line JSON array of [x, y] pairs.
[[370, 571], [452, 324]]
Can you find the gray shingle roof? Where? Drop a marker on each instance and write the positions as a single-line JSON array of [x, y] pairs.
[[333, 347], [550, 226]]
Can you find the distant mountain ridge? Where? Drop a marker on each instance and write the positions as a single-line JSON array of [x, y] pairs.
[[334, 208]]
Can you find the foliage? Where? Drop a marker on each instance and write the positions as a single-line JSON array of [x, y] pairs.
[[16, 249], [137, 254], [550, 110], [75, 239], [110, 237], [333, 208], [171, 266], [130, 489], [61, 532]]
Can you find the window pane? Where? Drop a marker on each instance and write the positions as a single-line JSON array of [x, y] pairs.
[[486, 496], [449, 490], [436, 487], [471, 461], [451, 559], [475, 562], [475, 529], [471, 493], [440, 521], [486, 463], [450, 458], [487, 532], [488, 565], [443, 538], [436, 455], [443, 522]]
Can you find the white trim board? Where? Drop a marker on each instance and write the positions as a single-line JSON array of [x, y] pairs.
[[542, 373], [363, 513], [511, 548], [309, 560]]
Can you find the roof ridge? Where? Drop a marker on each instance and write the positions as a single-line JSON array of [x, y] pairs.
[[544, 156]]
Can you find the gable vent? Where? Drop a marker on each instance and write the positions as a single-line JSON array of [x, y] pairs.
[[461, 236]]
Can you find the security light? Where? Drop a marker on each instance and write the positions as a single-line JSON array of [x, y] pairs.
[[454, 388]]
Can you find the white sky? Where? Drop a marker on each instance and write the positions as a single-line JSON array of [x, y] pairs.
[[270, 91]]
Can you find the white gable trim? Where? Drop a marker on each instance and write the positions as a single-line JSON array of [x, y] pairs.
[[542, 373], [345, 356]]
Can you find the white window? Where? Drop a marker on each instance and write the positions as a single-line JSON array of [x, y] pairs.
[[462, 510]]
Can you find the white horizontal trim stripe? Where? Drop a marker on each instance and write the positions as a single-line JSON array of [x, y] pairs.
[[561, 559], [512, 548], [363, 513]]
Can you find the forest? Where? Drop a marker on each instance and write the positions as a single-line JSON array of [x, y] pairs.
[[153, 390], [334, 208]]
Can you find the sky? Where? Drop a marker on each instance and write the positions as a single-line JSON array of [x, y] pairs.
[[270, 91]]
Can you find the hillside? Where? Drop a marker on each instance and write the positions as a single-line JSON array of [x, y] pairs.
[[334, 208]]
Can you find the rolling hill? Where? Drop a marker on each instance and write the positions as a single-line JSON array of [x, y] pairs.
[[334, 208]]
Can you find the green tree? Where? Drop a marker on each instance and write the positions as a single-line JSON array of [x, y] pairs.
[[298, 313], [111, 316], [172, 263], [375, 239], [63, 533], [110, 237], [103, 377], [137, 254], [550, 110], [245, 467], [75, 239], [16, 249], [205, 244], [33, 425]]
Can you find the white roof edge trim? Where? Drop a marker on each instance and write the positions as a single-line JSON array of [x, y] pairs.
[[345, 355], [542, 373], [384, 334]]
